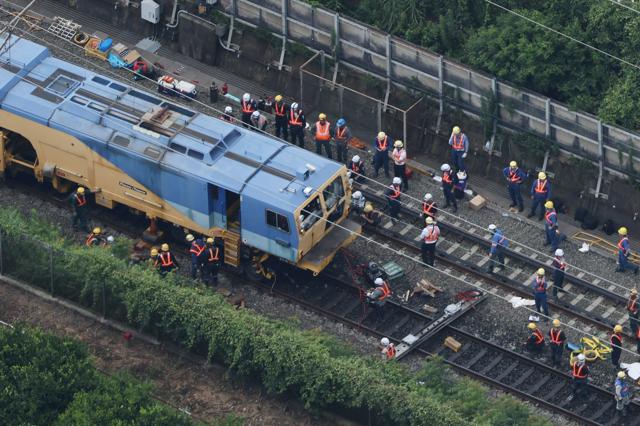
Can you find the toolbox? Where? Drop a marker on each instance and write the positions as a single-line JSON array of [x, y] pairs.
[[393, 271]]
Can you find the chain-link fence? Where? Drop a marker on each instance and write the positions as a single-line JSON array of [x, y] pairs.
[[369, 105], [29, 260]]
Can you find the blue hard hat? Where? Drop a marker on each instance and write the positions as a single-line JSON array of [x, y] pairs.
[[341, 122]]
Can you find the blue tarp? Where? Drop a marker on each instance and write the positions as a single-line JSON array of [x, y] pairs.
[[117, 62]]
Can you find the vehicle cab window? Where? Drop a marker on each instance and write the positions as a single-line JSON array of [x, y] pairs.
[[311, 213], [333, 193]]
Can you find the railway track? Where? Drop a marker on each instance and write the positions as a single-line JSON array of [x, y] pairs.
[[465, 249]]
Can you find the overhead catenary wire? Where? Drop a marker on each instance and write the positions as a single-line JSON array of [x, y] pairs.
[[337, 225], [625, 6]]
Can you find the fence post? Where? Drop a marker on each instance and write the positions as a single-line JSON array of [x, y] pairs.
[[104, 301], [340, 100], [601, 158], [404, 129], [1, 253], [51, 269], [388, 92], [440, 94], [494, 120], [284, 33], [379, 105], [547, 130]]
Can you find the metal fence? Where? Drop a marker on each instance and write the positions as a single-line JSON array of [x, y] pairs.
[[361, 47]]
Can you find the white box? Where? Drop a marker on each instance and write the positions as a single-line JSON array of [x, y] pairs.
[[150, 11]]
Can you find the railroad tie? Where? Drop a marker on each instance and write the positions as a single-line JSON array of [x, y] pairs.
[[549, 395], [515, 273], [596, 281], [523, 377], [388, 225], [608, 312], [612, 287], [577, 299], [453, 248], [495, 361], [530, 279], [518, 249], [406, 229], [595, 303], [538, 385], [507, 371], [622, 319], [580, 274], [482, 261], [603, 409], [477, 358]]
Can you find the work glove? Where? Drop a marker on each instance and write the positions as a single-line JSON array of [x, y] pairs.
[[464, 155]]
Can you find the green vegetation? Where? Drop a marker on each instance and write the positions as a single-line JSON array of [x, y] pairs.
[[515, 50], [47, 380], [306, 364]]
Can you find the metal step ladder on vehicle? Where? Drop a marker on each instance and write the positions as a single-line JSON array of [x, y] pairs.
[[231, 248], [64, 28]]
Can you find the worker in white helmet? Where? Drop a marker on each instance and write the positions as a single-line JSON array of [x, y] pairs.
[[580, 374], [377, 296], [429, 236], [559, 268], [499, 244], [623, 391], [388, 349], [356, 168], [381, 156], [515, 176], [358, 202], [297, 124], [393, 194], [248, 106], [228, 115], [258, 121], [449, 179], [429, 207]]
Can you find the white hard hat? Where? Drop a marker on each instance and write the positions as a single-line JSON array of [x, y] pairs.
[[379, 281], [246, 97], [356, 194], [294, 105], [492, 227], [228, 109], [255, 114], [384, 341], [445, 167], [110, 238], [428, 197], [559, 253], [356, 159], [429, 220], [397, 181], [581, 358]]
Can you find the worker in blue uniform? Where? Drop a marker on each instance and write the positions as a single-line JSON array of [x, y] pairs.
[[515, 176], [540, 292], [540, 193], [498, 244], [624, 251], [459, 147], [559, 268], [196, 250], [551, 226], [381, 155], [448, 181], [356, 169]]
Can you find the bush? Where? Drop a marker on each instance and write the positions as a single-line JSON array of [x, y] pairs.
[[45, 379], [283, 359]]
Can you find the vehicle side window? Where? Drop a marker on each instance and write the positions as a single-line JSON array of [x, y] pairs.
[[277, 221], [311, 213]]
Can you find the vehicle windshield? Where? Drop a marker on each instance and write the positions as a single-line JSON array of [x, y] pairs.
[[333, 193], [310, 214]]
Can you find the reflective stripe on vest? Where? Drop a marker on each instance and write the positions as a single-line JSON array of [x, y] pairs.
[[427, 208], [617, 337], [396, 192], [280, 112], [432, 235], [341, 132], [539, 336], [80, 200], [247, 107], [632, 305], [514, 177], [555, 337], [391, 351], [212, 257], [458, 142], [547, 217], [382, 146], [196, 249], [541, 186], [355, 167], [386, 291], [294, 119], [446, 177], [322, 131], [620, 246], [90, 239], [577, 371], [540, 285], [165, 259]]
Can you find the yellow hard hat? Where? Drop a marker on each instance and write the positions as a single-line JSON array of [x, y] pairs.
[[513, 164], [382, 135], [164, 247], [368, 208], [190, 237], [634, 291], [398, 144], [540, 271], [322, 116], [532, 326], [556, 322], [542, 175], [80, 190], [456, 130], [97, 230], [429, 220], [622, 231], [209, 240], [617, 328], [548, 205], [278, 98], [621, 375], [154, 252]]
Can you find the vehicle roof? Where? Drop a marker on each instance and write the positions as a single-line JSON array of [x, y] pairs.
[[36, 85]]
